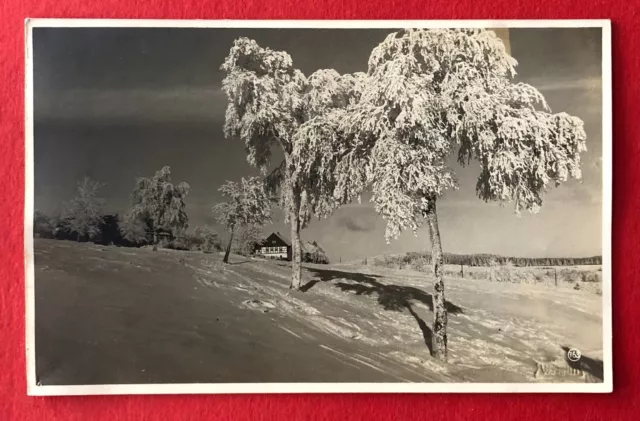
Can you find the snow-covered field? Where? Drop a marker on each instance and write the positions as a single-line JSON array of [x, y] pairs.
[[124, 315]]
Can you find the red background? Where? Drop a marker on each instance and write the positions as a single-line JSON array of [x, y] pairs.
[[624, 403]]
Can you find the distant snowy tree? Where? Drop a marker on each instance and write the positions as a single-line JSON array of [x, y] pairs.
[[43, 226], [208, 238], [269, 100], [313, 253], [133, 229], [159, 203], [428, 94], [83, 214], [247, 239], [247, 205]]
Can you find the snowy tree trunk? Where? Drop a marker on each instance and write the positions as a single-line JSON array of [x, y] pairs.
[[155, 240], [296, 257], [228, 251], [294, 218], [439, 332]]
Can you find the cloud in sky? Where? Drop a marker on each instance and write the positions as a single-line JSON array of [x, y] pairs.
[[356, 224], [139, 105], [567, 83]]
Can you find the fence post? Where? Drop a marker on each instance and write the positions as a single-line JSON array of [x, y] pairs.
[[555, 275], [462, 270]]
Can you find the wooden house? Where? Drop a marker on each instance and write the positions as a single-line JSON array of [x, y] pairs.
[[275, 246]]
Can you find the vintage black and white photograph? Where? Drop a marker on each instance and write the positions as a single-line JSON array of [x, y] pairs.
[[306, 206]]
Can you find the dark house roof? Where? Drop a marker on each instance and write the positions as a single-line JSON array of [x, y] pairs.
[[279, 239]]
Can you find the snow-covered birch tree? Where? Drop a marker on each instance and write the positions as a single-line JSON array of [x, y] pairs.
[[269, 102], [247, 205], [431, 93], [83, 214], [158, 203]]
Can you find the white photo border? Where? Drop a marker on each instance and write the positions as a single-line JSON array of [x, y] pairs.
[[33, 389]]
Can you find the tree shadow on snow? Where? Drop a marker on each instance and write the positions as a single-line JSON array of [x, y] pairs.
[[426, 330], [326, 275], [390, 297], [242, 262], [306, 287]]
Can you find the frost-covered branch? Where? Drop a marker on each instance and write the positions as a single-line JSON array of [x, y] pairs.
[[430, 93]]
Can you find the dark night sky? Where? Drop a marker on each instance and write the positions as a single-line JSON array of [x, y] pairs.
[[119, 103]]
